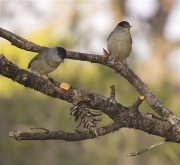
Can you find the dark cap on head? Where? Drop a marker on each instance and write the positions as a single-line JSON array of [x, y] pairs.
[[62, 52], [124, 24]]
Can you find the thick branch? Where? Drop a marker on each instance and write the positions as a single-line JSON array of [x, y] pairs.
[[124, 116], [127, 73], [46, 87], [131, 77]]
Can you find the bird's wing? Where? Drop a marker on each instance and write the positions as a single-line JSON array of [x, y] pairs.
[[109, 36], [41, 53], [33, 59]]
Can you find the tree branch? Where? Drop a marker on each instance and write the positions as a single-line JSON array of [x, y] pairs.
[[167, 127], [124, 116], [119, 67], [19, 41], [62, 135], [146, 149]]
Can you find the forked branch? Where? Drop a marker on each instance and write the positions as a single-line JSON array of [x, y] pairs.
[[168, 126]]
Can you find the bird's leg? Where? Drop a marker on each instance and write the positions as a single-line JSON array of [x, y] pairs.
[[117, 57], [125, 63], [50, 78], [36, 73]]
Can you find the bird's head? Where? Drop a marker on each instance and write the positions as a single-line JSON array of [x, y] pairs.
[[124, 24], [62, 52]]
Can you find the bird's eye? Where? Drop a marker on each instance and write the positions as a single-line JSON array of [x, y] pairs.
[[127, 26]]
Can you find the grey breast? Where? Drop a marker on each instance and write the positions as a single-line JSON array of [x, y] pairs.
[[119, 43]]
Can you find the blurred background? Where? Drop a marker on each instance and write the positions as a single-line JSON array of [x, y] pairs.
[[84, 26]]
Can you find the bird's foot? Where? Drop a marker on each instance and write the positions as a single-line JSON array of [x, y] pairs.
[[50, 78], [125, 65]]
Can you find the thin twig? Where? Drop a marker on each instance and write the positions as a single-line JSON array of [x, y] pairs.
[[146, 149], [46, 130], [113, 92], [62, 135], [137, 102]]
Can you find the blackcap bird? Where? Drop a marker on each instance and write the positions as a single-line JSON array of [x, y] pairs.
[[119, 43], [47, 60]]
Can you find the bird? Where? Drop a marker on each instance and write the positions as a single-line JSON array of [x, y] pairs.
[[47, 60], [119, 42]]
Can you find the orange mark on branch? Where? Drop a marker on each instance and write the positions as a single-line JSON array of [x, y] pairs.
[[24, 78], [141, 97], [65, 86]]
